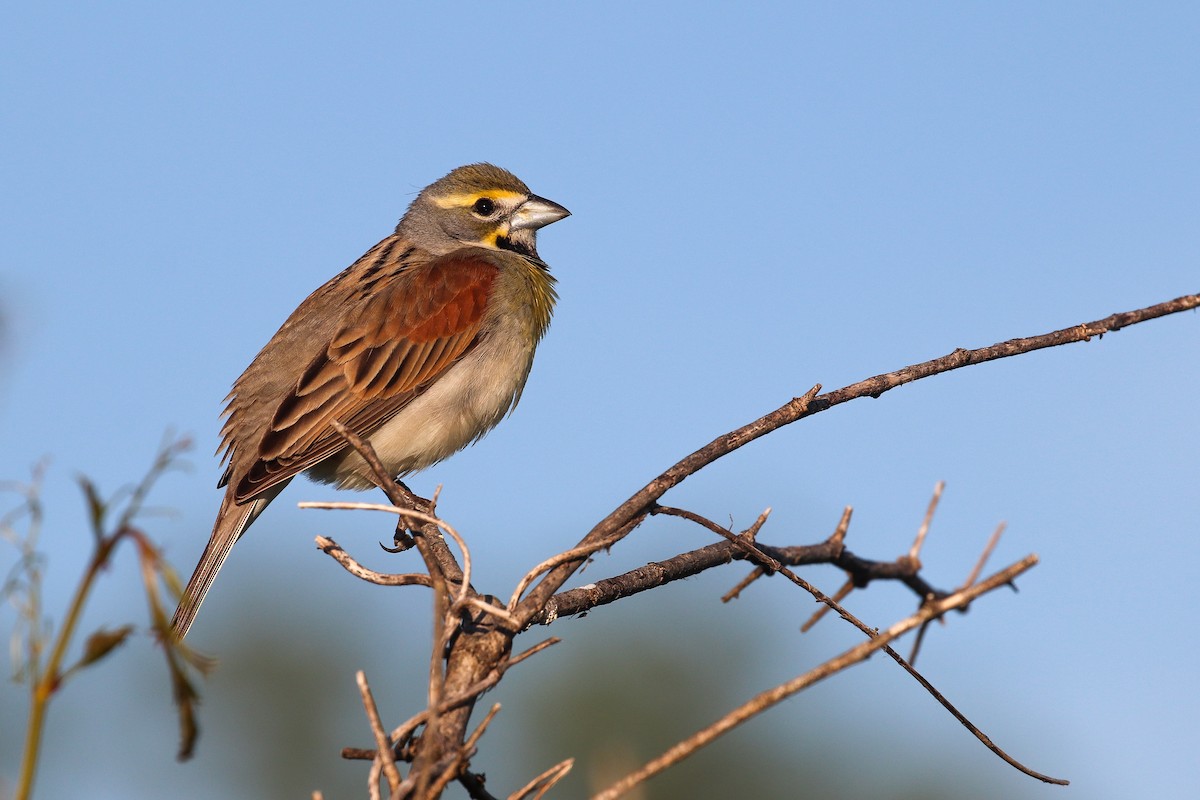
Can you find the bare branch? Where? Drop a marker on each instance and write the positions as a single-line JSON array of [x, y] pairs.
[[983, 558], [626, 516], [401, 734], [401, 497], [332, 548], [395, 491], [742, 585], [415, 515], [473, 638], [915, 551], [993, 540], [980, 735], [685, 565], [554, 561], [841, 594], [538, 787], [771, 697], [382, 747], [473, 739]]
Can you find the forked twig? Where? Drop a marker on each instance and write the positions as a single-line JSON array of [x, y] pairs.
[[554, 561]]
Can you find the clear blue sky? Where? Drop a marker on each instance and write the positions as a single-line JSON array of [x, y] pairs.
[[763, 199]]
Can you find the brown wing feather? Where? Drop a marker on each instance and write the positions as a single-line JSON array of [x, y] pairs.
[[378, 361]]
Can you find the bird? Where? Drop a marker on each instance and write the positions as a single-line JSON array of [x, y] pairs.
[[420, 347]]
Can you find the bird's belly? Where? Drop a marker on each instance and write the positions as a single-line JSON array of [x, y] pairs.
[[466, 402]]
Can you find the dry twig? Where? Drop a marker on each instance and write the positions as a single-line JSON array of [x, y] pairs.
[[382, 748], [626, 516], [538, 787], [334, 550], [854, 655]]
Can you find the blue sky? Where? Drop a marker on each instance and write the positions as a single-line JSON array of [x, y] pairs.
[[762, 199]]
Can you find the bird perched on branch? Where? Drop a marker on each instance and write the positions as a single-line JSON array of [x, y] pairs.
[[420, 347]]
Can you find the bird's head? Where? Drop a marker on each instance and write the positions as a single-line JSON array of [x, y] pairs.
[[481, 205]]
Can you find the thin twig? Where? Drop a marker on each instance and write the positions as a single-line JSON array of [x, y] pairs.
[[743, 541], [332, 548], [841, 594], [554, 561], [397, 492], [980, 735], [532, 651], [464, 587], [993, 540], [401, 497], [741, 585], [373, 776], [341, 505], [544, 782], [462, 573], [839, 533], [382, 746], [771, 697], [473, 739], [405, 730], [914, 552]]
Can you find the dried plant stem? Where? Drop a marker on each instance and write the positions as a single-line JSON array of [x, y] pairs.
[[46, 681]]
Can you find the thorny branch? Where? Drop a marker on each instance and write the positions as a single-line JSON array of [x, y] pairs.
[[474, 636]]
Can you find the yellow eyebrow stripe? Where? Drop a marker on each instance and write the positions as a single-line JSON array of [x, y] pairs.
[[464, 200]]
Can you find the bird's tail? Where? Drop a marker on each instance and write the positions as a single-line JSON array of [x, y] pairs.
[[232, 522]]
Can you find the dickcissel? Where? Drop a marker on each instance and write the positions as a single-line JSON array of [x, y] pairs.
[[420, 347]]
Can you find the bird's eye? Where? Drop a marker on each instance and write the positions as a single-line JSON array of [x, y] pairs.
[[484, 207]]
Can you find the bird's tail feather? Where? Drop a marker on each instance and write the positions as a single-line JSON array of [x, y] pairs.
[[232, 522]]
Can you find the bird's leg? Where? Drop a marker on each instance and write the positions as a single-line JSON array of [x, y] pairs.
[[418, 503], [402, 540]]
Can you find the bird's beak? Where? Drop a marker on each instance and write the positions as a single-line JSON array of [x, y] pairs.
[[537, 212]]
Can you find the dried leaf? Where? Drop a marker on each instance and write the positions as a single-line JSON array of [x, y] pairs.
[[186, 698], [97, 508], [103, 642]]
